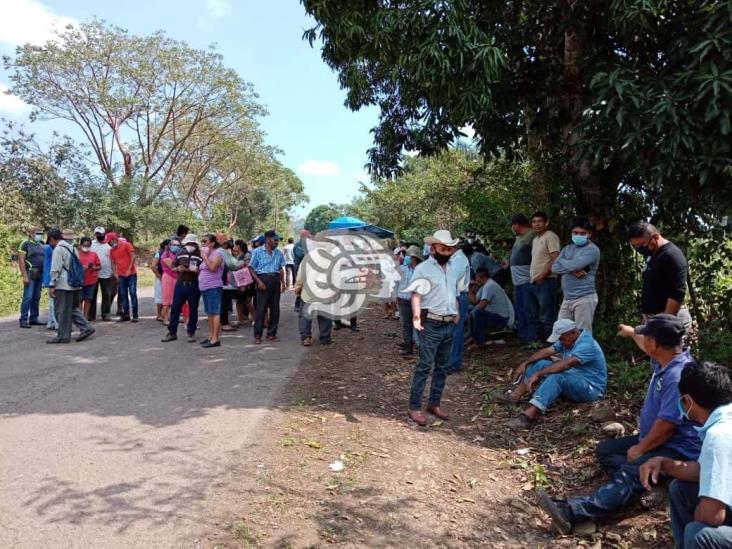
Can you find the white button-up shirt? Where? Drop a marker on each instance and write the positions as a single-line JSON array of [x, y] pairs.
[[438, 286]]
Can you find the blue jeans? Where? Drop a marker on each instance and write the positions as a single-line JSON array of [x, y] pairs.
[[485, 321], [568, 384], [526, 330], [688, 534], [542, 307], [31, 300], [624, 487], [458, 334], [128, 294], [185, 292], [435, 342]]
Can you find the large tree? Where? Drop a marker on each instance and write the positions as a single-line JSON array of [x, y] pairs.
[[611, 99], [147, 105]]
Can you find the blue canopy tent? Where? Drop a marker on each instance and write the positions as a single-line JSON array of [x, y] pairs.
[[355, 224]]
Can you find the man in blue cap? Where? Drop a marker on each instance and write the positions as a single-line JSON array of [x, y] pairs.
[[267, 266]]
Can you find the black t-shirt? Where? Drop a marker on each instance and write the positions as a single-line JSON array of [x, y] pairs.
[[664, 278], [186, 259], [34, 255]]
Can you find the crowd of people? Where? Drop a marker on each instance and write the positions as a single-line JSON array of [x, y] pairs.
[[449, 289], [685, 422]]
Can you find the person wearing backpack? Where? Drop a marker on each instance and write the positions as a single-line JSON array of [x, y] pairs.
[[66, 281]]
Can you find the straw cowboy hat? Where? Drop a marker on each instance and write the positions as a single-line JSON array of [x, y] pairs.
[[441, 237]]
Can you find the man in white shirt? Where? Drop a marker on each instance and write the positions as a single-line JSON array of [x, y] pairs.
[[106, 281], [435, 288], [289, 252], [461, 264]]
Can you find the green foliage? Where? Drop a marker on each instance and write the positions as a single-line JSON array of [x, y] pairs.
[[10, 280], [615, 102], [319, 217]]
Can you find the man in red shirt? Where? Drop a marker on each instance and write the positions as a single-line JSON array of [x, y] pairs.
[[122, 255]]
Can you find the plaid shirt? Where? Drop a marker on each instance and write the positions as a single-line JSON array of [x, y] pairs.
[[262, 262]]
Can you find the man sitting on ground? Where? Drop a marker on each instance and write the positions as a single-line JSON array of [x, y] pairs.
[[663, 430], [492, 310], [701, 495], [579, 375]]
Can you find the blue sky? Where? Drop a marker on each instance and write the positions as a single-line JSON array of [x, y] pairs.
[[323, 142]]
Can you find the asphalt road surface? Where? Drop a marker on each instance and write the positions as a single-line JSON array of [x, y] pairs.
[[123, 441]]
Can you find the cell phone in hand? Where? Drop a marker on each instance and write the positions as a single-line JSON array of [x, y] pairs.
[[518, 380]]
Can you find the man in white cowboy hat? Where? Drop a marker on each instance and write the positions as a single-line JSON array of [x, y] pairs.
[[435, 311]]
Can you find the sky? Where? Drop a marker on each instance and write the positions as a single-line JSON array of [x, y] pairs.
[[323, 141]]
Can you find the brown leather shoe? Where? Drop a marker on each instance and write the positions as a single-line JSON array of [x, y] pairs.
[[418, 417], [437, 412]]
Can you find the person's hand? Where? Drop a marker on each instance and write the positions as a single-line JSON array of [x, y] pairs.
[[417, 323], [579, 274], [520, 370], [52, 292], [625, 331], [538, 281], [634, 452], [261, 286], [650, 471], [533, 380], [283, 287], [456, 320], [26, 280]]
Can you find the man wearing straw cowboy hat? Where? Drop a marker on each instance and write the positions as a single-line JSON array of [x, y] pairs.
[[435, 311], [66, 297]]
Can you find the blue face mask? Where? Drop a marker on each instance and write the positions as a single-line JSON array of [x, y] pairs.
[[408, 260], [38, 237], [580, 239], [175, 249], [683, 412]]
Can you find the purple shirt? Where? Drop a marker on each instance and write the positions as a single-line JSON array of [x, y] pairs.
[[208, 279]]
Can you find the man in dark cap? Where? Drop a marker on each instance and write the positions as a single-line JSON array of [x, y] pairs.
[[662, 430], [267, 266]]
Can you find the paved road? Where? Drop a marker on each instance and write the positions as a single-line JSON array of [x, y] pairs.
[[122, 441]]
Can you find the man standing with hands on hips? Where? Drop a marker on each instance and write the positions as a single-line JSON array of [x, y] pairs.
[[435, 310], [267, 266]]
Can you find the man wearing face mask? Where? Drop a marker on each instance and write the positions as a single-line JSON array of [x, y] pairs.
[[662, 430], [106, 283], [435, 311], [701, 495], [31, 257], [577, 265], [664, 278]]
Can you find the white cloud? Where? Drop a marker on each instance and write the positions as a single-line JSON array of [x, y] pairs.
[[12, 104], [26, 21], [218, 8], [321, 168]]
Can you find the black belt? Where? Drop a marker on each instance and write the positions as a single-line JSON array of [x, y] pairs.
[[268, 274]]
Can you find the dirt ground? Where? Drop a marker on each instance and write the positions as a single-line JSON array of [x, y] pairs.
[[466, 482]]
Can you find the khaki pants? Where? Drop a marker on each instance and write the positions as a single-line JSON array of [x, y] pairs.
[[580, 310]]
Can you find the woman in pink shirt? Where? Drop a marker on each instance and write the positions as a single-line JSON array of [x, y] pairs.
[[169, 277]]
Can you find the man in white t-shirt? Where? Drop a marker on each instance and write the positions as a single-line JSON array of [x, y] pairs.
[[106, 281], [290, 271]]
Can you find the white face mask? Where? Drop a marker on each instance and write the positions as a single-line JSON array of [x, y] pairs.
[[85, 248], [190, 249]]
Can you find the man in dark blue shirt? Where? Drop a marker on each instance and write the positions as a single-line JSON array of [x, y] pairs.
[[663, 430]]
